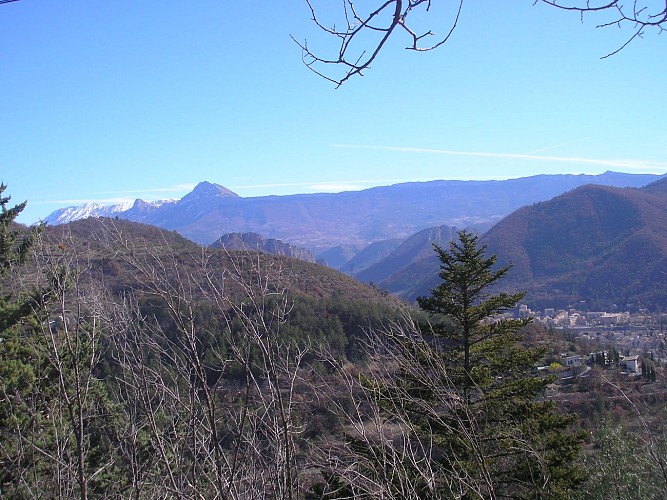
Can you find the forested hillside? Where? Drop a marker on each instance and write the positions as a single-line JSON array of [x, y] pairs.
[[598, 244], [145, 365]]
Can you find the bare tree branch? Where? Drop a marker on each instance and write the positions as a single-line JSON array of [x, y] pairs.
[[361, 34], [355, 52], [639, 14], [215, 435]]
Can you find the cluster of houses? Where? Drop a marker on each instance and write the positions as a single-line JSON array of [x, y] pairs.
[[630, 364], [622, 340], [574, 318], [627, 333]]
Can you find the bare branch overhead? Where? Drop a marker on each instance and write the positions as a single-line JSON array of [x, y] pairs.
[[358, 34], [640, 15], [364, 33]]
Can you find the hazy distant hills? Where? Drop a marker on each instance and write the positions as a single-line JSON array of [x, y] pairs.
[[337, 257], [369, 256], [413, 249], [597, 244], [321, 221]]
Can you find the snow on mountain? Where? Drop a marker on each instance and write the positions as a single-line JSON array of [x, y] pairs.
[[139, 209], [69, 214]]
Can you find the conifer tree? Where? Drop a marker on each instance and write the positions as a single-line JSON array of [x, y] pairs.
[[522, 446], [19, 366], [14, 250]]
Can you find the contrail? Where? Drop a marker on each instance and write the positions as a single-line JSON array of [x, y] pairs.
[[629, 164], [549, 148]]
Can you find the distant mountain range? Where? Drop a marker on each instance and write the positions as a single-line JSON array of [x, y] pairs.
[[598, 247], [320, 222], [571, 239]]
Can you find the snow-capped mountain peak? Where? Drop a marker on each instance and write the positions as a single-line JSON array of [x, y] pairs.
[[139, 209], [69, 214]]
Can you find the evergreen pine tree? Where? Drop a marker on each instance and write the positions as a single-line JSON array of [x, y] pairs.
[[20, 366], [55, 416], [522, 447]]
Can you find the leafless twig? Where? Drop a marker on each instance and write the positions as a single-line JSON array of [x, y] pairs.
[[639, 14], [364, 34]]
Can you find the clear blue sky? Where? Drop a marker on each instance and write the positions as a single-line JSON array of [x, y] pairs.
[[109, 101]]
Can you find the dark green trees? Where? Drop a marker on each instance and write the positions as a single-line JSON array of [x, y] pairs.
[[473, 336], [14, 249], [19, 367], [506, 441]]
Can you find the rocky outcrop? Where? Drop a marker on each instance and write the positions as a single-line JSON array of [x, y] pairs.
[[254, 241]]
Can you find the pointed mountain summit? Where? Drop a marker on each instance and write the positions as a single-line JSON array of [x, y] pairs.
[[208, 190]]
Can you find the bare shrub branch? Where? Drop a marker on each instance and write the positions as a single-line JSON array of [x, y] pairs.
[[217, 401]]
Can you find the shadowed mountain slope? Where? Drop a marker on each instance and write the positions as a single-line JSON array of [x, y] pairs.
[[369, 256], [595, 245], [414, 249]]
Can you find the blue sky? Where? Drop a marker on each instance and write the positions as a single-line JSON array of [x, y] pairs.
[[110, 101]]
